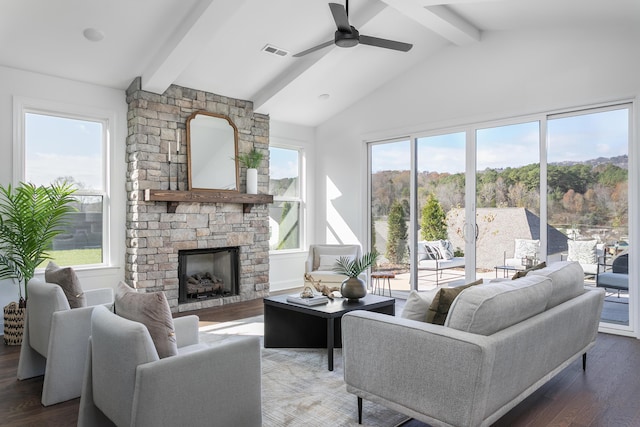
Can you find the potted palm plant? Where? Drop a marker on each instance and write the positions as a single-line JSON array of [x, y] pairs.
[[30, 217], [354, 288], [251, 161]]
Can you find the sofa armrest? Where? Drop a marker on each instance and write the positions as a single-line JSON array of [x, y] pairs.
[[186, 330], [218, 386], [427, 371], [99, 296]]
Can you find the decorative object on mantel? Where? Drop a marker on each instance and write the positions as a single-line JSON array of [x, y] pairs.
[[173, 198], [251, 161], [354, 288]]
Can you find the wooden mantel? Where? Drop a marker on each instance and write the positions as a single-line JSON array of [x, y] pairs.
[[174, 197]]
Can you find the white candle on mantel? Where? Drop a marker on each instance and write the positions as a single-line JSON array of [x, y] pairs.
[[178, 143], [169, 150]]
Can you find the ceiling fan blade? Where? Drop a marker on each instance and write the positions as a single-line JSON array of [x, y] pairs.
[[387, 44], [313, 49], [340, 16]]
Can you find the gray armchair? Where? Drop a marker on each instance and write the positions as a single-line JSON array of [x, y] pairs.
[[126, 383], [55, 339]]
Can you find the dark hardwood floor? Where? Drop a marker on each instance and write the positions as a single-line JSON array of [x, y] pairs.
[[605, 395]]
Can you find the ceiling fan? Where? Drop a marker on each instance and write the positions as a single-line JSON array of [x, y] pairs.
[[347, 36]]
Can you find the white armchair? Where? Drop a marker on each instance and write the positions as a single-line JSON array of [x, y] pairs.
[[55, 339], [127, 384], [322, 258]]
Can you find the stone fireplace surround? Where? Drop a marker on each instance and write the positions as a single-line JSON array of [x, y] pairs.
[[153, 235]]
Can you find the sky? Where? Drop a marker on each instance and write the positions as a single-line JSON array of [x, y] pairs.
[[576, 138], [283, 163], [59, 147]]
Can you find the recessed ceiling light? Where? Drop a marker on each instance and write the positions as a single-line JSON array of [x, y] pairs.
[[93, 35], [324, 97]]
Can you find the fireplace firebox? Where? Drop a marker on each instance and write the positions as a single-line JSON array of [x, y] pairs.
[[208, 273]]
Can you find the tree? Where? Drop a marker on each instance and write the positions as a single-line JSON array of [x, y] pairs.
[[397, 237], [433, 225]]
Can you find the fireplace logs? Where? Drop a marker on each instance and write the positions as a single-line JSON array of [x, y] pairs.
[[204, 283]]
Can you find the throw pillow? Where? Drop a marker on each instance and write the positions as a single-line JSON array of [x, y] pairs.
[[522, 273], [327, 262], [417, 305], [152, 310], [67, 279], [432, 250], [526, 248], [439, 308], [583, 251]]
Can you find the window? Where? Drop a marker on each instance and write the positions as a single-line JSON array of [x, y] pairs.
[[285, 214], [66, 147]]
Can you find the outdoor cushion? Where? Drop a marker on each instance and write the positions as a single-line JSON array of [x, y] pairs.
[[490, 308], [526, 248], [583, 251]]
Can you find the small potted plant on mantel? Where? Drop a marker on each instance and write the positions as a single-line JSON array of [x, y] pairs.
[[30, 217], [354, 288], [251, 161]]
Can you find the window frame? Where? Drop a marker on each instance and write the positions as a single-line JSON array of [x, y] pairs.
[[301, 198], [23, 106]]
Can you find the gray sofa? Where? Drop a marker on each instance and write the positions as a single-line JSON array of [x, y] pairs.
[[500, 342]]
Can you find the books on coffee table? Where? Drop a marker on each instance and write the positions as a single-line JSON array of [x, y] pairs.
[[314, 300]]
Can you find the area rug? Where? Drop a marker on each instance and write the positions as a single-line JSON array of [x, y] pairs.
[[297, 388]]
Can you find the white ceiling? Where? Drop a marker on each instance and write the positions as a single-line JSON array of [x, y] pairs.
[[216, 45]]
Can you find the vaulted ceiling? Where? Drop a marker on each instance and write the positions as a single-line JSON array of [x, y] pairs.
[[217, 45]]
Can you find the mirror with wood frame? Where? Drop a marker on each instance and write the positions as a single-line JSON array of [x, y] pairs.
[[212, 149]]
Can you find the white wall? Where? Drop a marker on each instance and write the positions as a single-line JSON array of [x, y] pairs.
[[507, 74], [286, 269], [38, 86]]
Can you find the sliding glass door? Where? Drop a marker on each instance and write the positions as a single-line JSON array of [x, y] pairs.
[[588, 199], [389, 189], [507, 177], [480, 190]]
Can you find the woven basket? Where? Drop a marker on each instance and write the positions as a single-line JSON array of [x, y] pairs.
[[13, 324]]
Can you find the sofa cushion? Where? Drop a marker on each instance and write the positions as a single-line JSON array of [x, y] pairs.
[[439, 308], [417, 305], [567, 278], [522, 273], [152, 310], [489, 308], [67, 279]]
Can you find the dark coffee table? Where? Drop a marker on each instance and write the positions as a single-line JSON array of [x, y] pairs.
[[288, 325]]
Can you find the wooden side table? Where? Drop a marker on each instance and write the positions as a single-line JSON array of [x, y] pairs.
[[377, 277]]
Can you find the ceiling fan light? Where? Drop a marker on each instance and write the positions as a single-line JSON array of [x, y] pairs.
[[343, 39]]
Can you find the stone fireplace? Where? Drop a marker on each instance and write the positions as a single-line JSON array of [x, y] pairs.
[[156, 232]]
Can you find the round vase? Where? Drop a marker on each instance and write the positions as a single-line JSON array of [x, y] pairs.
[[252, 181], [353, 289]]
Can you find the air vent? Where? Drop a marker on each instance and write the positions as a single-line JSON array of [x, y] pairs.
[[274, 50]]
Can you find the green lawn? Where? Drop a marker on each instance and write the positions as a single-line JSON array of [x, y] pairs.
[[74, 257]]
